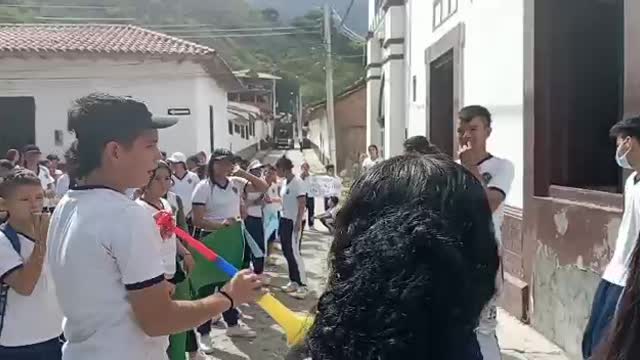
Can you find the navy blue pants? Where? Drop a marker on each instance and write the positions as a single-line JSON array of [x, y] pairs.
[[48, 350], [256, 230], [603, 311]]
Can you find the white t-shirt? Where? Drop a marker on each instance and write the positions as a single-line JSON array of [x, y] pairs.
[[273, 192], [290, 192], [102, 245], [28, 319], [221, 201], [254, 210], [616, 271], [307, 183], [368, 163], [62, 185], [497, 174], [168, 247], [184, 188], [46, 180]]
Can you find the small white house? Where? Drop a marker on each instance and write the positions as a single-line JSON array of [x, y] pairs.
[[246, 127], [44, 67]]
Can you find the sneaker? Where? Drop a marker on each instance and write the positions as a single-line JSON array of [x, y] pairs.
[[291, 287], [206, 343], [301, 293], [198, 355], [241, 330]]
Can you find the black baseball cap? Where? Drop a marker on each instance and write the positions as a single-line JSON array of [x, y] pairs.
[[224, 154], [31, 149], [112, 116]]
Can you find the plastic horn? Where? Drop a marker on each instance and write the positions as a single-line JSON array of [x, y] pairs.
[[295, 326]]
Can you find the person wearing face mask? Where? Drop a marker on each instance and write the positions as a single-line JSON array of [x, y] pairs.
[[605, 301]]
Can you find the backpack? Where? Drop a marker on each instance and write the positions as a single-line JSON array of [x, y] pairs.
[[11, 234]]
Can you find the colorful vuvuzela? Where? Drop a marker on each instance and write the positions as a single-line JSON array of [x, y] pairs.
[[295, 326]]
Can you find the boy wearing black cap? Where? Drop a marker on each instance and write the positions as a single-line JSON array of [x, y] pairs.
[[103, 247]]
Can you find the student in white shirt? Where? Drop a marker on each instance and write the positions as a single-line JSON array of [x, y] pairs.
[[293, 194], [373, 159], [273, 204], [216, 204], [616, 275], [31, 160], [255, 227], [310, 204], [103, 247], [184, 183], [30, 320], [53, 162], [496, 175], [336, 189], [328, 218]]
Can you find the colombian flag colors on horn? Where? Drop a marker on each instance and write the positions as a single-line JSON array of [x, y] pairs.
[[295, 326]]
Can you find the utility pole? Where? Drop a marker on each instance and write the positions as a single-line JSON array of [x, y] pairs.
[[331, 125]]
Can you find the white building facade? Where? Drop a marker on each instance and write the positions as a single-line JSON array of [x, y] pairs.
[[173, 77]]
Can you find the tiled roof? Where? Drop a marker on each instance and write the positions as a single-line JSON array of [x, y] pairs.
[[95, 39]]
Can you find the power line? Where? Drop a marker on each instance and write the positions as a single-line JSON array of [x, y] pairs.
[[239, 30], [69, 7], [346, 13], [82, 19], [170, 26], [217, 36]]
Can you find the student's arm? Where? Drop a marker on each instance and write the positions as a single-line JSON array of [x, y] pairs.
[[181, 219], [199, 220], [21, 276], [137, 256], [301, 193], [255, 184]]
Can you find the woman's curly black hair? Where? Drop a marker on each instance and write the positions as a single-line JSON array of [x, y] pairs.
[[413, 263]]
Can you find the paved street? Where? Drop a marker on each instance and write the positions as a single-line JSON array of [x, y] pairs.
[[518, 341]]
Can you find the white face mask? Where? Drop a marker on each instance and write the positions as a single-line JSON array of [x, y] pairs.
[[621, 159]]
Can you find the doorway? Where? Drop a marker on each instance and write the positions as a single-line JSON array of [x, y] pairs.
[[441, 113], [18, 123]]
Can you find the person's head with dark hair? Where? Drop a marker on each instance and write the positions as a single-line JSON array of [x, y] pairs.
[[474, 128], [221, 164], [13, 155], [193, 162], [202, 157], [330, 169], [627, 135], [412, 265], [284, 167], [373, 152], [116, 140], [5, 167], [53, 162], [31, 157], [420, 145], [21, 196], [159, 183]]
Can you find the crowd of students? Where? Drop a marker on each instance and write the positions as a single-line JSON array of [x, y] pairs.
[[93, 197], [414, 265]]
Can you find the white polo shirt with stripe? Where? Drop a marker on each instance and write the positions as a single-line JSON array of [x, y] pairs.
[[290, 192], [221, 201], [29, 319], [168, 247], [184, 187], [102, 245]]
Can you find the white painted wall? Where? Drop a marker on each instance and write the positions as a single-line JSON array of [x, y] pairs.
[[318, 133], [55, 83], [492, 71]]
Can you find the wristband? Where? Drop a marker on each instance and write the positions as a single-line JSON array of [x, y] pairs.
[[225, 294]]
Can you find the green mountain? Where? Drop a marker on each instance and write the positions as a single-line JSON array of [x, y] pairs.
[[292, 49]]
